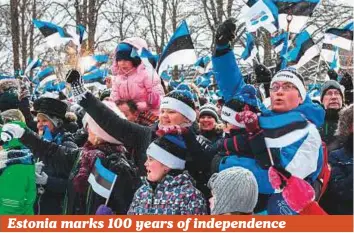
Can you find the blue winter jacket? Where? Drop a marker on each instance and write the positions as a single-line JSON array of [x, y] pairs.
[[303, 156]]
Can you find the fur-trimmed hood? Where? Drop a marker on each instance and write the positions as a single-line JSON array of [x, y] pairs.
[[345, 121], [5, 84]]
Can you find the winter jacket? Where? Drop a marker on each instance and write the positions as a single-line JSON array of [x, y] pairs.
[[299, 153], [328, 128], [51, 201], [338, 198], [212, 135], [68, 160], [138, 85], [137, 138], [18, 188], [174, 195]]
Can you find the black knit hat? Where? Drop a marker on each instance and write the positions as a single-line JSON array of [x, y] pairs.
[[180, 101], [169, 150], [209, 110], [50, 107], [124, 52]]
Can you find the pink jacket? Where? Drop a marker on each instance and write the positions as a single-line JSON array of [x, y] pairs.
[[138, 84]]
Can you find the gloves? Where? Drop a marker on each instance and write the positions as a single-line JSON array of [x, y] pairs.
[[225, 32], [104, 210], [11, 131], [175, 129], [297, 193], [332, 74], [41, 178], [250, 119], [39, 166], [263, 74], [74, 78]]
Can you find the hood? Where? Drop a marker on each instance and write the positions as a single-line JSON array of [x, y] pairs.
[[137, 43], [12, 157], [174, 180], [312, 111]]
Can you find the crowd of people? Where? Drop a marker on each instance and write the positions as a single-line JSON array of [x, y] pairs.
[[171, 155]]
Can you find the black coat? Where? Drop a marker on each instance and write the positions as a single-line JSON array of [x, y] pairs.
[[51, 201], [67, 161]]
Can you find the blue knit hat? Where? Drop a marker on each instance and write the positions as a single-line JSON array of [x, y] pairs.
[[125, 51], [169, 150], [247, 96]]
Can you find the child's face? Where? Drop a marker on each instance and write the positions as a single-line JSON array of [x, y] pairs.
[[156, 171], [125, 65]]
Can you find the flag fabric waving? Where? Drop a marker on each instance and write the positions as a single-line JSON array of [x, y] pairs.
[[179, 50], [101, 179], [260, 14], [250, 51]]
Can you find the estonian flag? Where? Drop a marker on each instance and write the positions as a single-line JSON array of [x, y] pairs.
[[261, 13], [280, 43], [42, 74], [95, 76], [179, 50], [32, 64], [149, 61], [250, 51], [342, 38], [101, 179], [298, 10], [304, 50], [53, 34], [328, 52]]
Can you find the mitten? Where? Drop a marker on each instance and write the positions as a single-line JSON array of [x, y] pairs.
[[297, 193], [263, 74], [39, 165], [104, 210], [11, 131], [250, 119], [41, 178], [225, 32], [332, 74], [74, 78]]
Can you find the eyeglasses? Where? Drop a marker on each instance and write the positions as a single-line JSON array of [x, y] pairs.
[[285, 87], [332, 92]]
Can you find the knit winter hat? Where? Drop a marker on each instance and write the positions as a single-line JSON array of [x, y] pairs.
[[235, 190], [209, 110], [247, 95], [125, 52], [292, 76], [97, 130], [9, 93], [169, 150], [12, 115], [180, 101], [331, 84]]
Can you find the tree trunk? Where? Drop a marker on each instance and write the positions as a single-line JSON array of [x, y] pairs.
[[91, 25], [23, 34], [15, 34], [31, 42]]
